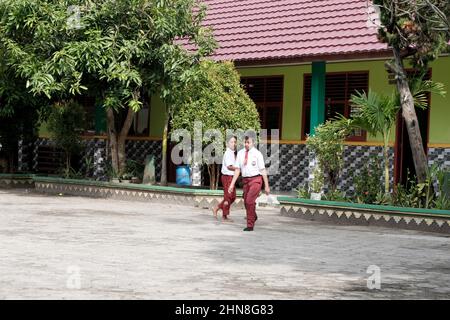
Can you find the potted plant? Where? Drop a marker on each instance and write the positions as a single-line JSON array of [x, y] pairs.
[[126, 177]]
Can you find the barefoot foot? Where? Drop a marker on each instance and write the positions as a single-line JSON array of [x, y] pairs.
[[214, 210]]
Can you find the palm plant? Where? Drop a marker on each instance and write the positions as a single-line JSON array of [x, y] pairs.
[[420, 90], [376, 114]]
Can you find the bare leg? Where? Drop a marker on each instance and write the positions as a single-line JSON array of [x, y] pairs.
[[215, 209]]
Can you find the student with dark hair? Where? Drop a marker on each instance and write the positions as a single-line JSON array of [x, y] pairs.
[[250, 162]]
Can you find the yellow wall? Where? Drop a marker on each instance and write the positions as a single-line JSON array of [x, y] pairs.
[[440, 106], [378, 81], [293, 97], [157, 114]]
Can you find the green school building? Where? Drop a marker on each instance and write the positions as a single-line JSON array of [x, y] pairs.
[[299, 61]]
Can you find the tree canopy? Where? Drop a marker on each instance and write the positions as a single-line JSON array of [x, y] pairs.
[[418, 31], [123, 45], [119, 50], [216, 99]]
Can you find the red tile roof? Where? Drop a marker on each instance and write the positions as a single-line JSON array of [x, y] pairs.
[[248, 30]]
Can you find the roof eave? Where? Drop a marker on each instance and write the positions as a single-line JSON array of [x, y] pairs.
[[353, 56]]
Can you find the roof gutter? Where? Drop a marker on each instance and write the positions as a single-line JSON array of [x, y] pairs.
[[294, 62]]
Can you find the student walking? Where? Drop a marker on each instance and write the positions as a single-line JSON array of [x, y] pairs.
[[250, 162], [229, 159]]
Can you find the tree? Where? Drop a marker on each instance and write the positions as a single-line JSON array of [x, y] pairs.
[[418, 31], [216, 99], [122, 50], [20, 113]]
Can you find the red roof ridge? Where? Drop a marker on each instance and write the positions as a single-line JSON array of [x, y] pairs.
[[213, 11], [279, 13], [274, 3]]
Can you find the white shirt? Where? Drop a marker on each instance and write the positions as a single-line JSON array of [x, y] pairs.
[[228, 160], [255, 162]]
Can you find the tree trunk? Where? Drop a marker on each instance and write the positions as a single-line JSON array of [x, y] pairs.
[[410, 117], [212, 176], [117, 141], [164, 151], [217, 176], [112, 138], [386, 164], [68, 165], [10, 164], [121, 141]]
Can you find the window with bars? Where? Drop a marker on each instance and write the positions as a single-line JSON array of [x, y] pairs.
[[88, 104], [338, 89], [267, 94]]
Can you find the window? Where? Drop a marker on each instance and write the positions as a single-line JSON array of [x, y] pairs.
[[95, 116], [88, 104], [267, 93], [338, 89], [141, 122]]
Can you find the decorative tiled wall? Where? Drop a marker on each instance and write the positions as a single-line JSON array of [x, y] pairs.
[[39, 142], [95, 159], [294, 161], [355, 157], [24, 156], [139, 149], [293, 166], [440, 156]]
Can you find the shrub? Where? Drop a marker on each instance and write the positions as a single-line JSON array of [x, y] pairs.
[[367, 182], [328, 146]]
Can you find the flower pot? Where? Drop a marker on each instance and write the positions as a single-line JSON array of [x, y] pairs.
[[316, 196], [135, 180]]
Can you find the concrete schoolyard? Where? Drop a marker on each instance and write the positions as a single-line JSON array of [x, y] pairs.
[[82, 248]]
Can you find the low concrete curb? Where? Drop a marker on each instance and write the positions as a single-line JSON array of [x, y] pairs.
[[197, 197], [343, 213], [10, 181]]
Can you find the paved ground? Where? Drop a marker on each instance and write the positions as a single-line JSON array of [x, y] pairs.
[[72, 247]]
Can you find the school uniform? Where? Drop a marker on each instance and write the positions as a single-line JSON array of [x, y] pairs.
[[229, 159], [251, 162]]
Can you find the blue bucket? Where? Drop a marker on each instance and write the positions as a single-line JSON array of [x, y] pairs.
[[183, 174]]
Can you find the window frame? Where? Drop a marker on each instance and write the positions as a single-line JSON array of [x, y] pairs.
[[267, 104], [347, 106]]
